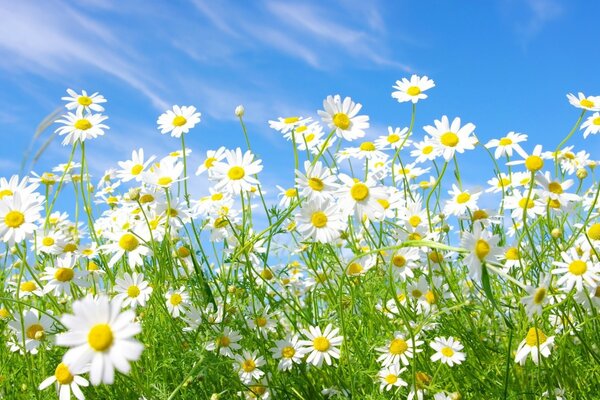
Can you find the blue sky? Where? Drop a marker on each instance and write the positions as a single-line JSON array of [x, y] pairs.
[[503, 65]]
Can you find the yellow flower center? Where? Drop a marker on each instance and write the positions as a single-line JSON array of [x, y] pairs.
[[482, 249], [164, 181], [341, 121], [512, 254], [33, 331], [291, 120], [449, 139], [14, 219], [179, 120], [321, 343], [100, 337], [291, 192], [47, 241], [436, 257], [479, 214], [84, 101], [355, 268], [505, 141], [209, 162], [578, 267], [175, 299], [319, 219], [427, 149], [236, 173], [367, 146], [64, 274], [223, 341], [288, 352], [133, 291], [216, 196], [310, 137], [416, 293], [447, 351], [596, 121], [83, 124], [146, 198], [555, 187], [393, 138], [413, 91], [463, 198], [63, 375], [5, 192], [359, 191], [398, 346], [260, 321], [399, 261], [301, 129], [28, 286], [414, 221], [4, 313], [534, 163], [183, 252], [415, 236], [136, 169], [539, 295], [384, 203], [316, 184], [128, 242], [586, 103], [391, 379], [535, 337], [266, 274], [248, 365], [594, 232], [430, 297], [523, 203], [70, 248]]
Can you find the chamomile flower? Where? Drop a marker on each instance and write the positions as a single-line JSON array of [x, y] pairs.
[[482, 246], [462, 200], [165, 173], [535, 343], [524, 203], [321, 345], [67, 380], [317, 183], [133, 290], [212, 156], [591, 126], [18, 217], [448, 351], [288, 352], [248, 366], [425, 151], [342, 116], [412, 90], [127, 244], [100, 334], [287, 124], [133, 169], [177, 301], [360, 197], [178, 121], [399, 349], [533, 162], [320, 221], [576, 270], [25, 187], [31, 330], [449, 138], [51, 242], [537, 296], [235, 173], [403, 261], [81, 127], [286, 196], [591, 103], [506, 144], [225, 342], [84, 101], [60, 277], [389, 377]]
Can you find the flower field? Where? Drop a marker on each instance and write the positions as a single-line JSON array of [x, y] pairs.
[[377, 274]]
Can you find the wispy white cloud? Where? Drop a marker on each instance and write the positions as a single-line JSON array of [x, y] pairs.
[[530, 17]]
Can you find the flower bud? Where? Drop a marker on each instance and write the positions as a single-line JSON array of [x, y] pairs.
[[582, 173], [556, 233], [239, 111]]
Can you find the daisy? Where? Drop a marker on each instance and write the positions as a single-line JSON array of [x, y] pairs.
[[50, 243], [177, 301], [506, 145], [133, 290], [591, 103], [360, 197], [67, 381], [448, 351], [537, 296], [320, 221], [81, 127], [60, 277], [317, 183], [248, 365], [286, 196], [84, 101], [499, 183], [554, 189], [18, 217], [461, 202], [412, 90], [399, 350], [342, 117], [451, 138], [225, 342], [28, 288], [31, 330], [521, 205], [389, 377], [321, 345], [403, 261], [533, 162], [235, 174], [178, 121], [482, 246], [535, 343], [288, 352], [100, 334], [133, 169], [576, 270], [288, 124], [425, 151], [165, 173], [310, 138], [126, 244], [366, 150], [591, 125], [212, 156], [25, 187]]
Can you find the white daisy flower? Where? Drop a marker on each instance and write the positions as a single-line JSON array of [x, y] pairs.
[[448, 351], [84, 101], [591, 126], [399, 349], [60, 277], [360, 198], [30, 331], [462, 201], [235, 173], [100, 334], [81, 127], [412, 90], [537, 296], [535, 343], [389, 377], [320, 221], [165, 173], [248, 366], [317, 183], [591, 103], [177, 301], [342, 116], [321, 345], [576, 270], [126, 244], [133, 290], [25, 187], [482, 246], [178, 121], [212, 156], [451, 138], [425, 151], [288, 124], [67, 380], [225, 342], [18, 217], [133, 169], [288, 352], [506, 144]]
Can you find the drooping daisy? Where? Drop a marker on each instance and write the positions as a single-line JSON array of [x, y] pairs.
[[535, 343], [30, 331], [248, 366], [448, 351], [506, 144], [449, 138], [412, 90], [177, 301], [286, 196], [482, 246], [225, 342], [235, 173], [317, 183], [133, 290], [288, 352], [590, 103], [342, 116], [84, 101], [100, 334], [576, 270], [60, 277], [287, 124], [178, 121], [18, 217], [591, 125], [320, 221], [81, 127], [133, 169], [67, 380], [399, 349], [321, 345], [389, 377]]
